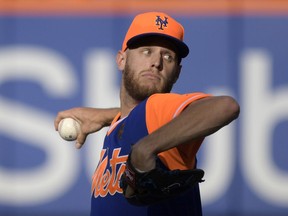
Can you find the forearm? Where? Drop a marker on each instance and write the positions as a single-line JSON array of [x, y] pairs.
[[91, 120], [106, 114], [198, 120], [88, 115]]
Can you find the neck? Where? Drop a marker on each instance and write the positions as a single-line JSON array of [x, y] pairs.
[[127, 103]]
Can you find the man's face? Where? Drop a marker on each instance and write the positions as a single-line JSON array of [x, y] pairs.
[[151, 67]]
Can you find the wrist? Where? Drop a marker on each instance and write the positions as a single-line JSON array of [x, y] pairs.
[[142, 158], [107, 115]]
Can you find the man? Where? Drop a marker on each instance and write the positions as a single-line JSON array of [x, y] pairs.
[[155, 126]]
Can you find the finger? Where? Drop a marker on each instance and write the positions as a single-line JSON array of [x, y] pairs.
[[57, 120], [61, 115], [80, 140], [56, 123], [78, 145], [129, 192]]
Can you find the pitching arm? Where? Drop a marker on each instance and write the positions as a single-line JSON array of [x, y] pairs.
[[91, 120]]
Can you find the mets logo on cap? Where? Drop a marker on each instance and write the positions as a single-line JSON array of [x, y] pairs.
[[161, 23], [156, 24]]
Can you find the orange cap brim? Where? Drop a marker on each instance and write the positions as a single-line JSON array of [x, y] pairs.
[[182, 48]]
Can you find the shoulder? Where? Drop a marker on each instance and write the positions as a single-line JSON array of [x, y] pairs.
[[173, 101], [161, 108], [173, 97]]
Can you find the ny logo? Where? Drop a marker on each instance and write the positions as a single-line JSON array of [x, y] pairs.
[[161, 23]]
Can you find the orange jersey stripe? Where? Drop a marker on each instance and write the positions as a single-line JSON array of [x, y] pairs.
[[185, 7]]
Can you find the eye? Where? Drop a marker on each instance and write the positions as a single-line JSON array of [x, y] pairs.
[[146, 51], [168, 57]]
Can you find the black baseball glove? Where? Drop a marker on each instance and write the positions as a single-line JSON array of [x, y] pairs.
[[158, 184]]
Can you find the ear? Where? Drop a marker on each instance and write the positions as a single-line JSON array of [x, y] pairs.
[[121, 60]]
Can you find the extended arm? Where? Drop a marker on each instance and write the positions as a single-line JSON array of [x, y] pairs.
[[200, 119], [90, 119]]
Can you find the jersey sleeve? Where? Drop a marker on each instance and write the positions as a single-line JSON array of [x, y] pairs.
[[161, 109]]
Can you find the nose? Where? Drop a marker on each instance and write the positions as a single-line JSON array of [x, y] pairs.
[[156, 61]]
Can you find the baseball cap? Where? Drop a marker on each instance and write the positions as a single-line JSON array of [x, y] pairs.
[[156, 24]]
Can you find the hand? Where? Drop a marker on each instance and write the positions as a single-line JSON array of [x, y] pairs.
[[141, 158], [139, 154], [91, 120]]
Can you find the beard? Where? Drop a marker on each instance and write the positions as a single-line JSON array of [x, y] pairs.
[[139, 91]]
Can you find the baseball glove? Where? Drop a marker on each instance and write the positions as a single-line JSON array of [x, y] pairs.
[[158, 184]]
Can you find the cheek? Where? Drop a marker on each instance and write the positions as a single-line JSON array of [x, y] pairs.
[[171, 73], [134, 64]]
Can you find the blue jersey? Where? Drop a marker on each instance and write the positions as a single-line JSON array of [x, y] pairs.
[[107, 198]]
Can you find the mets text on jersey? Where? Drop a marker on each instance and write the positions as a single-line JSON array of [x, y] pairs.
[[108, 173]]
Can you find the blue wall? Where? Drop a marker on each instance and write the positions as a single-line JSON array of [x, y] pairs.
[[52, 63]]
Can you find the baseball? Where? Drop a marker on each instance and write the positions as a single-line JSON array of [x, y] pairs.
[[69, 129]]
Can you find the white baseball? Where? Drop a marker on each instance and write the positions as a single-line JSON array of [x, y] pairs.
[[69, 129]]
